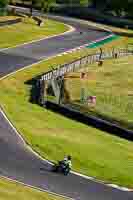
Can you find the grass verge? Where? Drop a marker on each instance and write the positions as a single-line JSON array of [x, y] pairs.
[[94, 153], [112, 86], [13, 191], [27, 31], [6, 18]]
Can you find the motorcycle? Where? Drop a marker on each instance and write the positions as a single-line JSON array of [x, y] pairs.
[[61, 167]]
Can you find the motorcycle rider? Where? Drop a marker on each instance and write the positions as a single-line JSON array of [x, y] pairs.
[[67, 162], [63, 165]]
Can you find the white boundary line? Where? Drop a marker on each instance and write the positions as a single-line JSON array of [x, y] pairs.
[[71, 29], [47, 161], [35, 188], [89, 23], [79, 47], [29, 147], [42, 58]]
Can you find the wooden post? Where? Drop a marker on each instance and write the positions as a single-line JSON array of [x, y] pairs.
[[101, 52]]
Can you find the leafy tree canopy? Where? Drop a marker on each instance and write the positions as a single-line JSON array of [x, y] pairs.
[[3, 3]]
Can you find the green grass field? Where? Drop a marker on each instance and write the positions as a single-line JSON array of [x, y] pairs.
[[27, 31], [14, 191], [94, 152], [112, 85], [6, 18], [10, 36]]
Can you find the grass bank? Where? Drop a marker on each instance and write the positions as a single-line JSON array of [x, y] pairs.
[[14, 191], [94, 153], [6, 18], [27, 31], [111, 84]]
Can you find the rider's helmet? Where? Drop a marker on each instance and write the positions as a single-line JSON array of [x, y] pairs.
[[69, 157]]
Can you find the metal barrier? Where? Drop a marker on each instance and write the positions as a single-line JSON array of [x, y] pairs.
[[80, 63], [55, 78]]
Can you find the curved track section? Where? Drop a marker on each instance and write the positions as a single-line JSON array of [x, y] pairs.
[[17, 161]]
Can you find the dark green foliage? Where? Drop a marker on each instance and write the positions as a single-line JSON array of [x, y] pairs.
[[3, 3], [117, 7], [46, 4]]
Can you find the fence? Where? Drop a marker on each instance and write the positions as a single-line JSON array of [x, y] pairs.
[[89, 59], [75, 110]]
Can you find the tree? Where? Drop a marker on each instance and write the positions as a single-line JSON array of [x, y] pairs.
[[33, 2], [99, 3], [46, 4], [3, 3], [84, 2], [117, 6], [130, 8]]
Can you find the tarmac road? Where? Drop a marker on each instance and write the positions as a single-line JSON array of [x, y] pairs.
[[16, 159], [16, 58]]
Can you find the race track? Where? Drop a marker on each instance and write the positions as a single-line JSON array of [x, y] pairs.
[[17, 161]]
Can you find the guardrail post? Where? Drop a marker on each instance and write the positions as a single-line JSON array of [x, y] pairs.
[[100, 55]]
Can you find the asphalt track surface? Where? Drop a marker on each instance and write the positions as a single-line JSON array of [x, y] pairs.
[[17, 161]]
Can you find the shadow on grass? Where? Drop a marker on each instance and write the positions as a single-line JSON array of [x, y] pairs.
[[94, 121], [34, 91], [10, 22]]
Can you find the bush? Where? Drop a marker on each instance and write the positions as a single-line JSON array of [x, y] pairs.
[[3, 6], [3, 3]]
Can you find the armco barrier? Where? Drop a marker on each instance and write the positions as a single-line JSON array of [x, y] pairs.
[[89, 59], [66, 110]]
